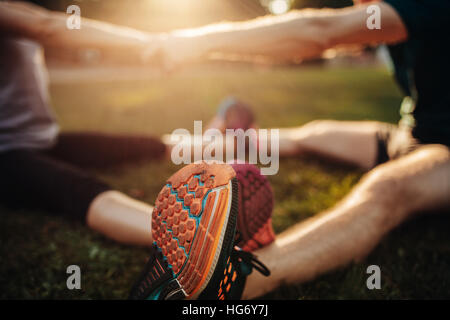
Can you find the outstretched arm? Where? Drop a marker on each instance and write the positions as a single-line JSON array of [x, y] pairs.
[[300, 34], [20, 19]]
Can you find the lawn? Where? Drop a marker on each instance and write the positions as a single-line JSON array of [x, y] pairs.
[[36, 248]]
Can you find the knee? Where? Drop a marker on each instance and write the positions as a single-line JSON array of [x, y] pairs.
[[388, 196], [400, 182], [434, 153], [382, 184]]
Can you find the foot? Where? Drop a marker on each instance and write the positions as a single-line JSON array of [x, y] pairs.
[[233, 114], [194, 229]]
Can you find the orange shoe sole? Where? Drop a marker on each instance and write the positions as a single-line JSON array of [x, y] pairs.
[[194, 222]]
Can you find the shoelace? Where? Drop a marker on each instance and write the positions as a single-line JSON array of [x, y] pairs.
[[252, 260], [243, 262], [238, 237], [249, 257]]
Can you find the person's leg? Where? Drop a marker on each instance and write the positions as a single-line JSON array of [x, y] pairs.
[[385, 197], [354, 142], [34, 180], [98, 150], [121, 218]]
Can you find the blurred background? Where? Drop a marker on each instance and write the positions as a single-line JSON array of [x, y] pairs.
[[112, 92]]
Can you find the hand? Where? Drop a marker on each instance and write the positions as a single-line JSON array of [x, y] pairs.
[[152, 50], [170, 51], [180, 50], [175, 50]]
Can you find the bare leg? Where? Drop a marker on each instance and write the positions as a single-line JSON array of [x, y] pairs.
[[112, 213], [121, 218], [385, 197], [349, 141]]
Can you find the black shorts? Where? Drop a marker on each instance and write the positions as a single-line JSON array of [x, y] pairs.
[[54, 179], [394, 142]]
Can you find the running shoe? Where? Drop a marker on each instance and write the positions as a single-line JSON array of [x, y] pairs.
[[255, 196], [254, 222], [194, 228], [239, 265]]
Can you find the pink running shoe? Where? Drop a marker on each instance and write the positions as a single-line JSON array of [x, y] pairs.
[[254, 222]]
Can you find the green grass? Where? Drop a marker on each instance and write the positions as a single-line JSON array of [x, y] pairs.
[[36, 248]]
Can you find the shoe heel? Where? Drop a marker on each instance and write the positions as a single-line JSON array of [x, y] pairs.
[[156, 281]]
